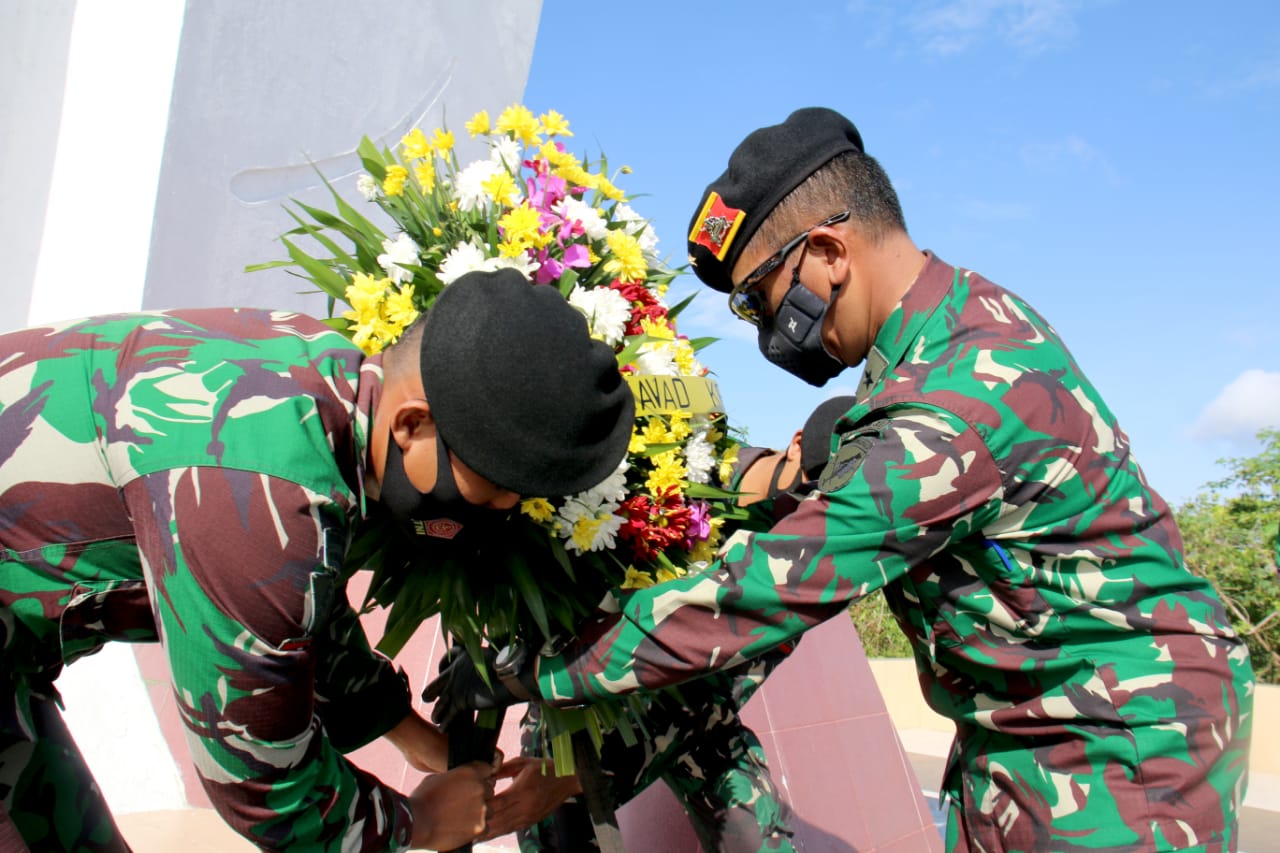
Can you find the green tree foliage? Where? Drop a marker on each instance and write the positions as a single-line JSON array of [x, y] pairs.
[[878, 629], [1229, 532]]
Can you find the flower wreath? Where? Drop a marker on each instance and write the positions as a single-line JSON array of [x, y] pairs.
[[563, 222]]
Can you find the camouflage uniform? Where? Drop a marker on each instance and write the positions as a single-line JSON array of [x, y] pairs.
[[193, 477], [1101, 699]]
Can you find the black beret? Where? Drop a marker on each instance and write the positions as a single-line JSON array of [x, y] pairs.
[[519, 390], [815, 438], [763, 169]]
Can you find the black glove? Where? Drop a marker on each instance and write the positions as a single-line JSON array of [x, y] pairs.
[[459, 688]]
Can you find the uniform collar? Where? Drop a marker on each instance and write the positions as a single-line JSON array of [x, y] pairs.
[[931, 285]]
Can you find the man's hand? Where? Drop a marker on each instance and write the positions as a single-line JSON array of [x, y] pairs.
[[451, 809], [423, 745], [534, 794], [459, 688]]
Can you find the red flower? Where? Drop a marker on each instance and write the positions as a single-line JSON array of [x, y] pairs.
[[651, 526]]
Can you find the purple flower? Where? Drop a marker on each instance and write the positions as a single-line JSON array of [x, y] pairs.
[[699, 523]]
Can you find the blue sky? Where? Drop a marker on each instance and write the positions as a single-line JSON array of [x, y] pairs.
[[1112, 163]]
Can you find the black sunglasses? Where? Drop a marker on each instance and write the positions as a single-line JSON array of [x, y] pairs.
[[745, 301]]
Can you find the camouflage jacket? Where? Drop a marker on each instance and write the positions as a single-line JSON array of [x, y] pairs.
[[1099, 691], [194, 476]]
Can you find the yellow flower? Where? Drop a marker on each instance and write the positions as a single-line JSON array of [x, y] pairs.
[[500, 187], [627, 259], [437, 231], [636, 579], [523, 226], [362, 336], [425, 172], [539, 509], [606, 187], [365, 292], [393, 183], [668, 471], [520, 123], [680, 429], [479, 124], [584, 531], [442, 140], [557, 158], [398, 308], [414, 144], [508, 249], [656, 432], [638, 443], [554, 124], [727, 462], [686, 358], [665, 574], [626, 170], [657, 327]]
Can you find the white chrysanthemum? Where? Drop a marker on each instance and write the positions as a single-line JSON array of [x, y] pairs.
[[699, 458], [638, 227], [522, 264], [462, 259], [470, 184], [613, 489], [607, 312], [401, 250], [586, 526], [505, 151], [368, 187], [593, 223], [657, 360]]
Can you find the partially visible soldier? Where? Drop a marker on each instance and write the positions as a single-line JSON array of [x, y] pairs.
[[196, 477], [695, 741], [1101, 698]]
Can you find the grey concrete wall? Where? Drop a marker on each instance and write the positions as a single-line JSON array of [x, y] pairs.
[[262, 88], [35, 36]]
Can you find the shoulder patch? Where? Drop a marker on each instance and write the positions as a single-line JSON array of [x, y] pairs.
[[848, 457]]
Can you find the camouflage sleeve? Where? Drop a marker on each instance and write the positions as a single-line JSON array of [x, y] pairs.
[[897, 491], [242, 588]]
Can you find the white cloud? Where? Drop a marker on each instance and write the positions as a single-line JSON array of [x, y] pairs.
[[1031, 26], [1250, 402], [1072, 149]]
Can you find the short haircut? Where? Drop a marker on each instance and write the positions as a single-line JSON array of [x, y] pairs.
[[850, 180]]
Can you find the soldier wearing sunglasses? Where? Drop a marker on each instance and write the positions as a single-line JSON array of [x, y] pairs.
[[1101, 698]]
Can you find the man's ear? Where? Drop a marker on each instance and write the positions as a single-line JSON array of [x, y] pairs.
[[412, 420], [833, 248], [793, 448]]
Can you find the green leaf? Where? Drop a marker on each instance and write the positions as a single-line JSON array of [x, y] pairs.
[[324, 277], [568, 279], [673, 313], [373, 162], [267, 265], [531, 594], [705, 490], [701, 343]]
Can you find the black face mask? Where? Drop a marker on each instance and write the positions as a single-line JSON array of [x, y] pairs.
[[443, 513], [793, 339]]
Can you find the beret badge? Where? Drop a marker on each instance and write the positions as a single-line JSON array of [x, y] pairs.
[[716, 226]]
